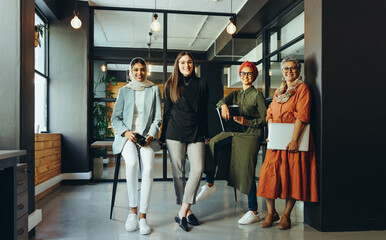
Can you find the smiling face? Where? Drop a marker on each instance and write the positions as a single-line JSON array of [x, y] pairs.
[[185, 65], [290, 71], [246, 76], [139, 71]]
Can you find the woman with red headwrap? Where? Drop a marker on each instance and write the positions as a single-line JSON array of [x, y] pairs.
[[239, 171]]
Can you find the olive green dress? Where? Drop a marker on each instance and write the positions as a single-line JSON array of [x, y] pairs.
[[238, 167]]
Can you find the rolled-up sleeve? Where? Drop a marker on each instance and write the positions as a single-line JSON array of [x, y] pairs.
[[303, 104]]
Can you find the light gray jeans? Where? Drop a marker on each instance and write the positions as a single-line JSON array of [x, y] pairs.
[[186, 191]]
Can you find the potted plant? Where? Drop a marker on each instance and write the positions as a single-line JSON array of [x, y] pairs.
[[102, 113], [39, 31]]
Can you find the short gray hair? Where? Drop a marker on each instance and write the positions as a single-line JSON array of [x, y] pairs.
[[291, 59]]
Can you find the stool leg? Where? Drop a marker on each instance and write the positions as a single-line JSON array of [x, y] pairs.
[[115, 181], [235, 194]]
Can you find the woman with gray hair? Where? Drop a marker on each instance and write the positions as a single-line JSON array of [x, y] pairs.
[[289, 174]]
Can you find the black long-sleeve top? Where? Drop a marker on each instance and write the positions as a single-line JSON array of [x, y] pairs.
[[187, 119]]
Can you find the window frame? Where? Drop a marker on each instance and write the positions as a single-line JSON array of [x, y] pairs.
[[45, 75]]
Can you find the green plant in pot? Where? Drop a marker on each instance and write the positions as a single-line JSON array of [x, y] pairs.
[[39, 32], [102, 113]]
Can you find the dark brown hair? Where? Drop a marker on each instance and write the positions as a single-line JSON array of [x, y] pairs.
[[175, 80]]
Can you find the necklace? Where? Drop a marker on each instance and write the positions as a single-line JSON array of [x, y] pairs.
[[187, 83]]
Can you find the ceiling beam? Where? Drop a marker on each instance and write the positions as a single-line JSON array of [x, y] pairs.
[[250, 20], [221, 14]]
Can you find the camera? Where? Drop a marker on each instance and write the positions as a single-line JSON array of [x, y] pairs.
[[141, 140]]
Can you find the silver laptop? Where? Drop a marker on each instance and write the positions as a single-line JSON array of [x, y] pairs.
[[280, 134]]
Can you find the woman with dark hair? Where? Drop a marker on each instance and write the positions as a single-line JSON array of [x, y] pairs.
[[289, 174], [239, 170], [184, 129], [137, 111]]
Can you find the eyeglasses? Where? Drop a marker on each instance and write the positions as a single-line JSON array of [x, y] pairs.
[[188, 62], [286, 69], [249, 74]]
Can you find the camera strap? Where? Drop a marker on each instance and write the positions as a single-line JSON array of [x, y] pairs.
[[139, 161]]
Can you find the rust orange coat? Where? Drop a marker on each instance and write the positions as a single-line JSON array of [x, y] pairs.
[[285, 174]]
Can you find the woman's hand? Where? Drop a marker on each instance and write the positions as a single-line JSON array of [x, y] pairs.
[[161, 142], [207, 141], [269, 121], [292, 146], [130, 136], [225, 112], [240, 120], [148, 140]]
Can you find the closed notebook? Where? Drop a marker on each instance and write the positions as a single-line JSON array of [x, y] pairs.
[[280, 134], [234, 110]]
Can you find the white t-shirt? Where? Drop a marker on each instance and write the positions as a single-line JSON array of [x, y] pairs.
[[138, 121]]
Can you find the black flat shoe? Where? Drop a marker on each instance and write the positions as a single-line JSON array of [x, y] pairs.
[[183, 223], [193, 220]]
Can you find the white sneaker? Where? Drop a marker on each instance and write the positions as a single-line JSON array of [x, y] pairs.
[[249, 218], [206, 192], [144, 228], [131, 222]]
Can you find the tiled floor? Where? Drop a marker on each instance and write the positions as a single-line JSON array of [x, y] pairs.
[[82, 212]]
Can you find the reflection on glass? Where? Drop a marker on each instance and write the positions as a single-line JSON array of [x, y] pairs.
[[292, 29], [126, 29], [279, 36], [40, 103], [194, 32], [40, 50]]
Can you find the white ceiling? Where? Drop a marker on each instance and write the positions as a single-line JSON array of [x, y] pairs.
[[189, 32]]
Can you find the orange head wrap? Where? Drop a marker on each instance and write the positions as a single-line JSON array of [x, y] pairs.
[[251, 66]]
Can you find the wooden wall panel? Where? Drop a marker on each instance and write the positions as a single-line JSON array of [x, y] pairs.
[[47, 156]]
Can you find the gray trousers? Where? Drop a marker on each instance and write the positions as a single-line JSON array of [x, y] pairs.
[[186, 191]]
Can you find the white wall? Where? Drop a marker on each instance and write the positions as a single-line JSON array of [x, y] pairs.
[[10, 75]]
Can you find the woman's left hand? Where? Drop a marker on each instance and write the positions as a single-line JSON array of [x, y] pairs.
[[207, 141], [240, 120], [292, 146], [148, 140]]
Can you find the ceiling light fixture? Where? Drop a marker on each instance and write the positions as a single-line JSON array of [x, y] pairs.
[[75, 21], [103, 68], [231, 28], [155, 25]]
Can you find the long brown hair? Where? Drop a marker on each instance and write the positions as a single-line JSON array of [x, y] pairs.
[[175, 80]]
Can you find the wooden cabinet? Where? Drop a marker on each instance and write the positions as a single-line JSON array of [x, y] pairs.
[[9, 196], [22, 202]]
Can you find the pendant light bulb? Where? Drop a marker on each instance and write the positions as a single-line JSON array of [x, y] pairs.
[[103, 68], [75, 22], [155, 25], [231, 28]]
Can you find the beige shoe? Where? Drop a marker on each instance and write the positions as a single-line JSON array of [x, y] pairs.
[[285, 223], [269, 220]]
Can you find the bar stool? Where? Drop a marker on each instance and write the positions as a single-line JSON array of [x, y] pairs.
[[115, 181]]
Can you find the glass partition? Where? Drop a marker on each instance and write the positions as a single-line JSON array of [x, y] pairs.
[[126, 29], [106, 87]]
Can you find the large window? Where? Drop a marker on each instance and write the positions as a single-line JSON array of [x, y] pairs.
[[283, 37], [41, 77]]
